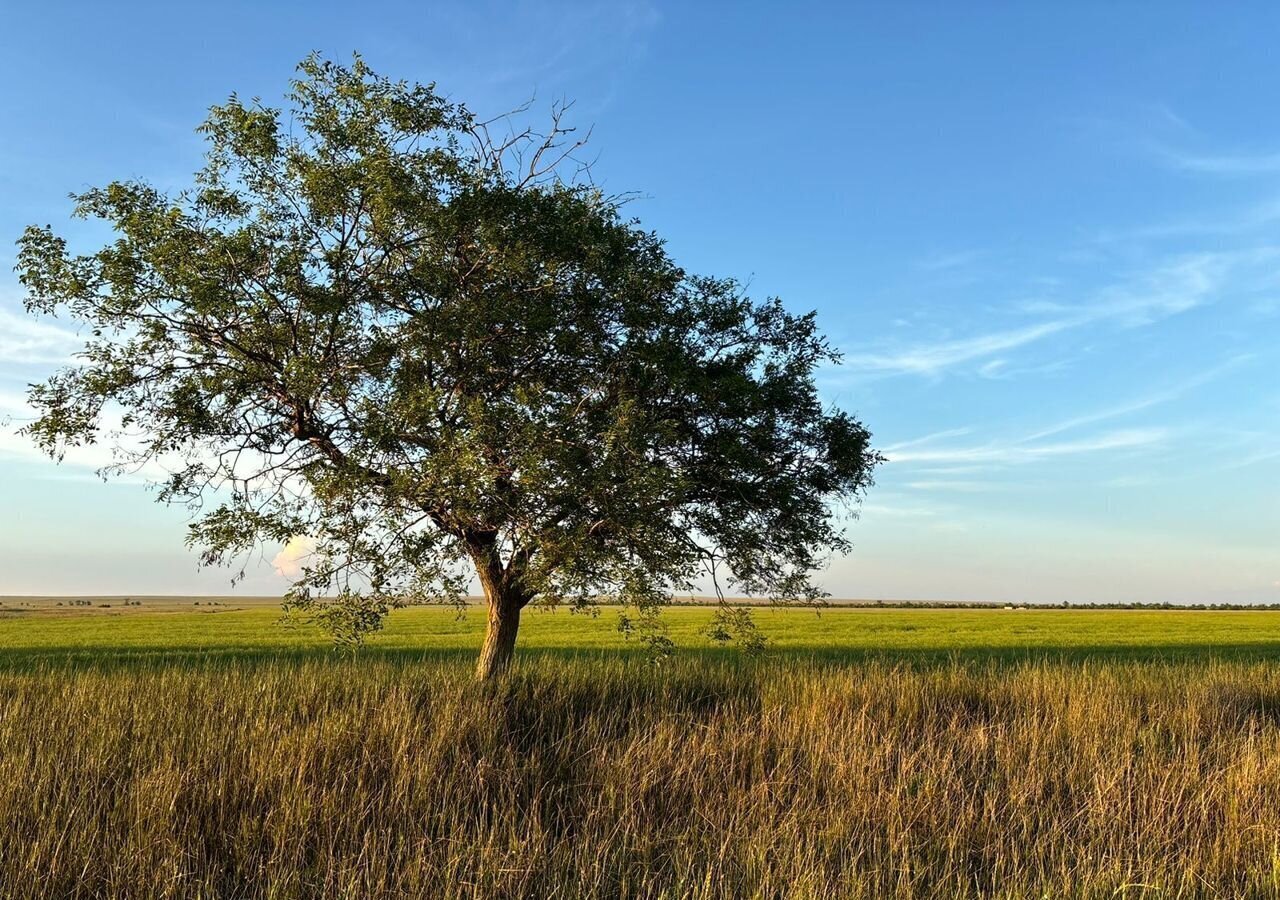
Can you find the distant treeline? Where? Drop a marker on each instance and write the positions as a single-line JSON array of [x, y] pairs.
[[1065, 604], [979, 604], [695, 600]]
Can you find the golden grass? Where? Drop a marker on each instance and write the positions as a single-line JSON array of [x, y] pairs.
[[377, 779]]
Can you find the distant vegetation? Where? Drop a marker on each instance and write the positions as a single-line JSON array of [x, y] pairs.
[[837, 635], [961, 604]]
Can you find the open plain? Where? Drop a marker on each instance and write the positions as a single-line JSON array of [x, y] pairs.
[[183, 751]]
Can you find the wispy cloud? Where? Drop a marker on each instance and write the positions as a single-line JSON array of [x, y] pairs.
[[932, 438], [1253, 459], [936, 463], [558, 43], [1101, 416], [929, 359], [897, 512], [944, 262], [77, 461], [1225, 222], [1174, 287], [949, 471], [964, 487], [25, 340], [1263, 163], [1137, 405], [1021, 451]]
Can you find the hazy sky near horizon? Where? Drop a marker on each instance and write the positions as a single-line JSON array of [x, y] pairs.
[[1046, 238]]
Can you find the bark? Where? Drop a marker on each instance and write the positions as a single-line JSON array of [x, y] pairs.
[[500, 638], [504, 600]]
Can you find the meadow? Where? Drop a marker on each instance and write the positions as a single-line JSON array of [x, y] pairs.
[[170, 632], [869, 753]]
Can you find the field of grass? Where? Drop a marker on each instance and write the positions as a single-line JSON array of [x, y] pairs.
[[872, 753], [837, 634]]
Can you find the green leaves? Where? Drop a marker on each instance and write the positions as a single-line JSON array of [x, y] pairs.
[[422, 347]]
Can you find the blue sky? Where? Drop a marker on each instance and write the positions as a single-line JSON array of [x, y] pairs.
[[1046, 237]]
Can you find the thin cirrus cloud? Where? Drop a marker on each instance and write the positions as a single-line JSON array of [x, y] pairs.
[[1169, 289], [1259, 165], [945, 262], [939, 463], [1253, 459], [1240, 220], [950, 460], [932, 437], [74, 462], [1219, 163], [932, 358], [1157, 398], [25, 340], [1022, 452], [961, 486]]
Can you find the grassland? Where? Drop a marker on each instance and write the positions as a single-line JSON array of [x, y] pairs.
[[175, 633], [872, 753]]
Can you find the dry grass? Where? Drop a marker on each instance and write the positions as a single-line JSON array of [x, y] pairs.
[[376, 779]]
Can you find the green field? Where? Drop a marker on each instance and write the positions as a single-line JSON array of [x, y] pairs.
[[987, 753], [835, 634]]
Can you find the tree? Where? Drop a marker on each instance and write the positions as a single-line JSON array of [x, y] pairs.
[[372, 323]]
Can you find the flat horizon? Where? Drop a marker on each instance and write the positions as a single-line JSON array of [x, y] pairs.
[[678, 600]]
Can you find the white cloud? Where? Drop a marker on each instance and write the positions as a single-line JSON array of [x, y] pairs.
[[1176, 286], [1020, 452], [965, 487], [1220, 164], [1155, 399], [949, 471], [928, 359], [946, 261], [1100, 416], [896, 512], [25, 340], [932, 437], [15, 413], [993, 368], [1165, 291], [1238, 221], [1253, 459], [936, 464], [295, 555]]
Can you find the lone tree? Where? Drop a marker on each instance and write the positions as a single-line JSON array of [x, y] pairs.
[[402, 332]]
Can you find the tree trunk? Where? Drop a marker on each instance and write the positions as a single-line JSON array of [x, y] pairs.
[[500, 638], [504, 599]]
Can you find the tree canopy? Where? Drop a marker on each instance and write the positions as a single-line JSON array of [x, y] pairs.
[[435, 352]]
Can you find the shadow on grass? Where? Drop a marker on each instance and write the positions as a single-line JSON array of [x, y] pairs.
[[17, 660]]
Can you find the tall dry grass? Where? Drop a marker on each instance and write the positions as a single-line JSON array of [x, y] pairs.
[[377, 779]]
